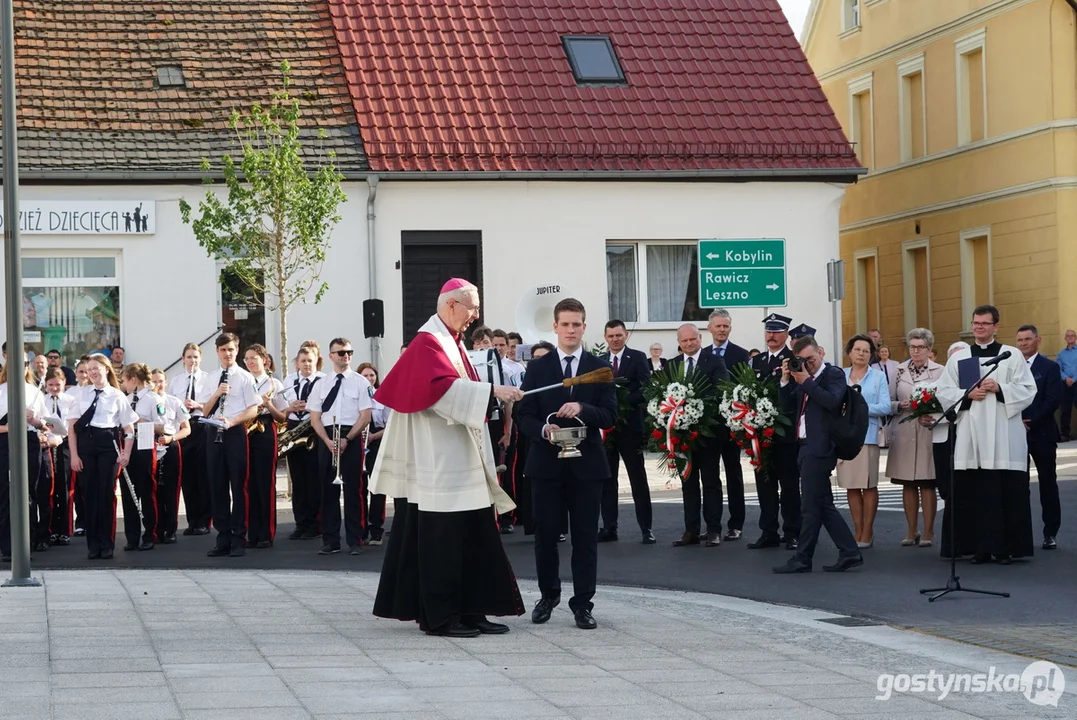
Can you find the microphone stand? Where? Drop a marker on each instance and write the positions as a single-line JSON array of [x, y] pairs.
[[953, 583]]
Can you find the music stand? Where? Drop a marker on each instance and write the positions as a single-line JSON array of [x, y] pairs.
[[953, 583]]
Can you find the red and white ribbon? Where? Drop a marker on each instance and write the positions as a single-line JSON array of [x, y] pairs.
[[675, 408], [748, 429]]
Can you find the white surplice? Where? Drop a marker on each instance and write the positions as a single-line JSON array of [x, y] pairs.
[[990, 435], [441, 458]]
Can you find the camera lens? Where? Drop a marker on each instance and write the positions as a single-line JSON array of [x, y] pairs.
[[796, 364]]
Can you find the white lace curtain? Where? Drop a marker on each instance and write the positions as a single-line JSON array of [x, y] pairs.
[[668, 271]]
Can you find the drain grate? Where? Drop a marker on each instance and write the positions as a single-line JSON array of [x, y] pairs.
[[850, 621]]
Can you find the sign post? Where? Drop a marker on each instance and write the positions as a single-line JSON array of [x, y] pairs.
[[742, 273], [835, 283]]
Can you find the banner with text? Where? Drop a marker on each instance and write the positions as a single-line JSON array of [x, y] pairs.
[[91, 217]]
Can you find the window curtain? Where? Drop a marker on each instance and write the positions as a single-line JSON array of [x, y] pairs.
[[668, 271], [621, 282]]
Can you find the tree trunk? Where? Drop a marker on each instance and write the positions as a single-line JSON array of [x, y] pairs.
[[284, 362]]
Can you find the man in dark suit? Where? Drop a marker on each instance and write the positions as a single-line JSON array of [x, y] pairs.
[[631, 366], [1039, 419], [720, 325], [706, 456], [779, 487], [817, 391], [573, 485]]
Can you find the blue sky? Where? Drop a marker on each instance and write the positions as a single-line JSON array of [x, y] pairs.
[[795, 11]]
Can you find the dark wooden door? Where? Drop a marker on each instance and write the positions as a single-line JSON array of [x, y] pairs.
[[428, 260]]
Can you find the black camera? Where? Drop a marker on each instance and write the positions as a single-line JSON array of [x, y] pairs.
[[796, 364]]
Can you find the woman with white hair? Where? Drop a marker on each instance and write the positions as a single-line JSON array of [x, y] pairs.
[[658, 363], [910, 461]]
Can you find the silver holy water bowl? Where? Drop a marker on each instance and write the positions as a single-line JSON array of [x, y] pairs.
[[568, 438]]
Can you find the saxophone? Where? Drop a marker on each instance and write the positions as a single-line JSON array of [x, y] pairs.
[[300, 437], [256, 424]]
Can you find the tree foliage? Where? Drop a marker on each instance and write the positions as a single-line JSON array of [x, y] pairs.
[[272, 227]]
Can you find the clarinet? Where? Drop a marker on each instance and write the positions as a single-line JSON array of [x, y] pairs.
[[220, 430]]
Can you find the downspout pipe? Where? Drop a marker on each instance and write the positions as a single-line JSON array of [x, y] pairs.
[[371, 216]]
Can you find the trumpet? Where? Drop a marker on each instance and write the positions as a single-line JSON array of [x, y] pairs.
[[336, 454]]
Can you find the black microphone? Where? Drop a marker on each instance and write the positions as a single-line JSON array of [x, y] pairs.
[[997, 360]]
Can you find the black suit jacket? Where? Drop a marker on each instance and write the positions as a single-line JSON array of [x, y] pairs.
[[1041, 413], [765, 368], [824, 399], [661, 361], [714, 368], [634, 367], [599, 403], [734, 354]]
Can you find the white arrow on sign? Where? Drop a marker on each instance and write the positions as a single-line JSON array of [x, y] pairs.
[[711, 256], [772, 286]]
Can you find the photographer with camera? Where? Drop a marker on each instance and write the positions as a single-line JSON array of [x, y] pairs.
[[816, 390]]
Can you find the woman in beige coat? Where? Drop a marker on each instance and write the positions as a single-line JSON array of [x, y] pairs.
[[910, 462]]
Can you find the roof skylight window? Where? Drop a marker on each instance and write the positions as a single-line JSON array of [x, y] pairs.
[[593, 60], [170, 76]]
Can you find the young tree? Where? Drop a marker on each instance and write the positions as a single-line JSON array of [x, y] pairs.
[[272, 229]]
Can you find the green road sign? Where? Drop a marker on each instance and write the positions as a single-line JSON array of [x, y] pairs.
[[742, 273]]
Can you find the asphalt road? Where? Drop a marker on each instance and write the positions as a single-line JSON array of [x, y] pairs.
[[886, 588]]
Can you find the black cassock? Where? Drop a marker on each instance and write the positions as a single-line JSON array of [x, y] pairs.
[[991, 507]]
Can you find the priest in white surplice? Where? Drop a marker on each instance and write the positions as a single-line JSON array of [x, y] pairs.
[[445, 567], [990, 497]]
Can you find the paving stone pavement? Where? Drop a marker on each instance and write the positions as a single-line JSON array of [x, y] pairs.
[[158, 644]]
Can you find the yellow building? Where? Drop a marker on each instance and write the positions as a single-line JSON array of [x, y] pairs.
[[965, 114]]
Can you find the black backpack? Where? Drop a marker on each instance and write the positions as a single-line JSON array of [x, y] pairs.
[[849, 426]]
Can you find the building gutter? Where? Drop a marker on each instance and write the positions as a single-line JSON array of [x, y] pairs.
[[372, 194], [846, 175]]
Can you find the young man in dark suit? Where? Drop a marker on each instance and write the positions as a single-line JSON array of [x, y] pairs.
[[720, 325], [779, 487], [570, 485], [706, 456], [816, 391], [1039, 419], [632, 366]]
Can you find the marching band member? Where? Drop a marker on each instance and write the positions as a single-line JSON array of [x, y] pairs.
[[379, 415], [35, 411], [102, 411], [82, 379], [142, 470], [58, 405], [303, 462], [172, 426], [193, 388], [230, 407], [42, 489], [339, 412], [262, 473]]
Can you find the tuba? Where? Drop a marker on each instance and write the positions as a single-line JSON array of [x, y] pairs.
[[301, 437]]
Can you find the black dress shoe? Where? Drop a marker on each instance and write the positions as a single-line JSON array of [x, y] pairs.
[[41, 547], [329, 550], [201, 531], [189, 531], [845, 563], [455, 630], [484, 626], [130, 546], [791, 544], [980, 559], [543, 610], [96, 555], [584, 620], [764, 542], [732, 534], [711, 539], [169, 539], [689, 538], [506, 530], [263, 544], [79, 532], [107, 554], [217, 552], [62, 541], [791, 567], [607, 535], [1004, 559], [648, 538], [237, 551], [297, 534], [1049, 543], [146, 545], [310, 535]]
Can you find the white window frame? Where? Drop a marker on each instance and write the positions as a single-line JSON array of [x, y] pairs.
[[641, 281], [968, 273], [906, 68], [908, 276], [851, 16], [115, 281], [857, 87], [863, 323], [964, 46]]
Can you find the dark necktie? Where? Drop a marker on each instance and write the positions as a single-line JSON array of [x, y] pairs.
[[691, 365], [56, 407], [190, 387], [308, 383], [616, 364], [86, 417], [332, 396], [223, 380], [134, 402], [568, 366]]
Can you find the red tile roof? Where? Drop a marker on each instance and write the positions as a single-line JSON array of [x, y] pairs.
[[485, 85]]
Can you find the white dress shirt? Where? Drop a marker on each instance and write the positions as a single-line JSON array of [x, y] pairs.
[[802, 429], [240, 395], [263, 384], [113, 408], [695, 361], [561, 355], [182, 385], [1032, 359], [293, 388], [35, 400], [351, 400]]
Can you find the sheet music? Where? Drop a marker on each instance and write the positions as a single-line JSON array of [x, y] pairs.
[[144, 436]]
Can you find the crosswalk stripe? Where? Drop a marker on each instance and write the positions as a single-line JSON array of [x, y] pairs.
[[889, 499]]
